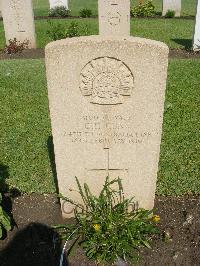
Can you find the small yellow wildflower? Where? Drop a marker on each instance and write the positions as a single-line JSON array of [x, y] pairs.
[[156, 218], [97, 227]]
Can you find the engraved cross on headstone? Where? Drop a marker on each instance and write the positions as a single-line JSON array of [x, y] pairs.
[[108, 170]]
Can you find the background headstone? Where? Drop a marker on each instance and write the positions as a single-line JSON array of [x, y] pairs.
[[0, 10], [174, 5], [55, 3], [106, 110], [196, 40], [18, 20], [114, 17]]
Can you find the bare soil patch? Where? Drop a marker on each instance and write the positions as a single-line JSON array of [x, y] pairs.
[[39, 53], [183, 54], [25, 54], [33, 242]]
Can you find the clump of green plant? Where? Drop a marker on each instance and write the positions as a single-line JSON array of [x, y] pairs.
[[108, 227], [73, 30], [14, 46], [58, 31], [59, 11], [170, 14], [5, 221], [85, 13], [146, 9]]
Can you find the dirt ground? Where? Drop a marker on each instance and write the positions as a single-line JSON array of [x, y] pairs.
[[25, 54], [32, 242], [157, 16], [39, 53]]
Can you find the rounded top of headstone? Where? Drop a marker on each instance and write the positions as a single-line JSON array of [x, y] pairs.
[[143, 42]]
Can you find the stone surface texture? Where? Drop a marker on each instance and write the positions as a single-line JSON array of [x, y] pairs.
[[172, 5], [196, 40], [55, 3], [0, 9], [106, 99], [18, 20], [114, 17]]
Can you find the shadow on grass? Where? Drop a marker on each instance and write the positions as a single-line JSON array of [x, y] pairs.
[[34, 245], [50, 147], [187, 43], [4, 174], [4, 188]]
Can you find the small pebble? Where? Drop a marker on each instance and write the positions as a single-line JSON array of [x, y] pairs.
[[188, 220], [120, 262]]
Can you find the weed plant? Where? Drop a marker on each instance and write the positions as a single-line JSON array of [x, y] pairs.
[[85, 13], [58, 31], [170, 14], [107, 228], [5, 221]]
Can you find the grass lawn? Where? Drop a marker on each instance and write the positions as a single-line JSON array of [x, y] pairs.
[[180, 157], [25, 125], [176, 33], [41, 7], [25, 128]]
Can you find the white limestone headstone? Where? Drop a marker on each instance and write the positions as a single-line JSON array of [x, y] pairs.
[[0, 10], [106, 97], [18, 20], [114, 17], [196, 39], [174, 5], [55, 3]]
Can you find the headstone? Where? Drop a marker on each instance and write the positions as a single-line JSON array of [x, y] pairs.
[[55, 3], [18, 21], [0, 10], [174, 5], [114, 17], [106, 100], [196, 40]]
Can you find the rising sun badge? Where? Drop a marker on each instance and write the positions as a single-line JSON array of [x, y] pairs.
[[106, 81]]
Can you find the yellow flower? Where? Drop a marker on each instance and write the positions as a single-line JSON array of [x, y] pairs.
[[97, 227], [156, 218]]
